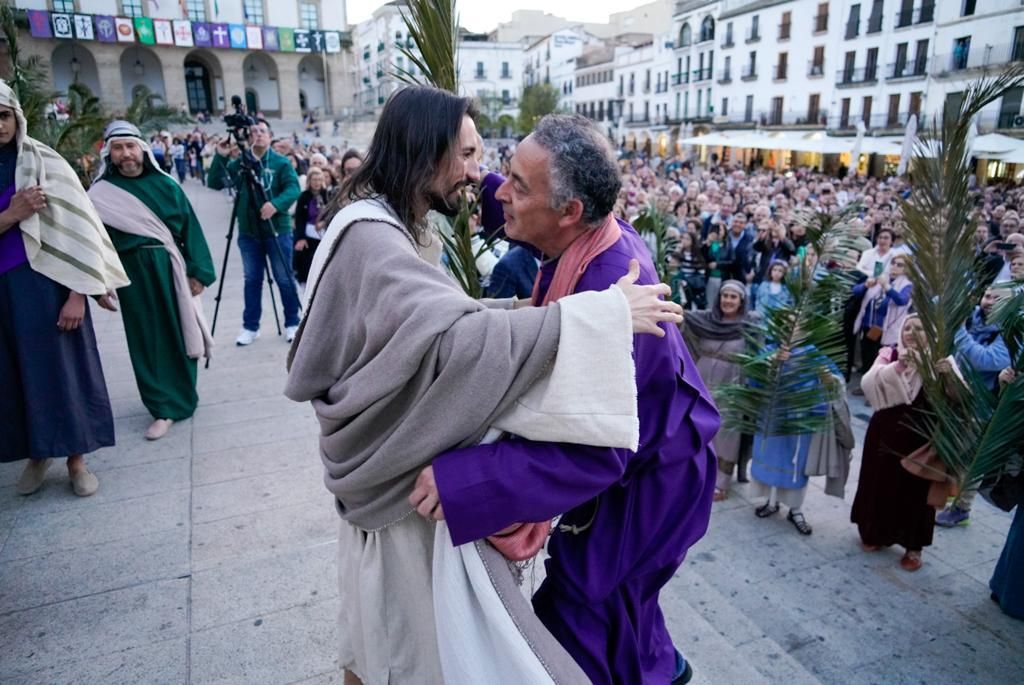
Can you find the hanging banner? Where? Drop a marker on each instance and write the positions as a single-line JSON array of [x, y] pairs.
[[163, 32], [202, 35], [332, 42], [144, 30], [39, 24], [221, 36], [302, 40], [270, 38], [83, 27], [183, 33], [62, 26], [316, 41], [125, 30], [237, 32], [286, 39], [254, 37], [106, 29]]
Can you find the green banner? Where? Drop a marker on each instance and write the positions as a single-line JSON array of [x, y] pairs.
[[144, 30], [286, 40]]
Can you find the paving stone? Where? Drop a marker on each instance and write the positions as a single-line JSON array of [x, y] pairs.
[[244, 434], [231, 498], [62, 574], [162, 663], [775, 664], [283, 647], [90, 627], [246, 462]]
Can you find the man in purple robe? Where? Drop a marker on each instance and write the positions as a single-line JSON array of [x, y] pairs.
[[628, 517]]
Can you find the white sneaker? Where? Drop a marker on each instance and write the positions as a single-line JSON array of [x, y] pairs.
[[246, 337], [289, 333]]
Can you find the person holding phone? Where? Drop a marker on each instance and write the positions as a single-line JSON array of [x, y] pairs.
[[875, 261]]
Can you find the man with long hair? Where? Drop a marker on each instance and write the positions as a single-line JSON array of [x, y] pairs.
[[400, 365]]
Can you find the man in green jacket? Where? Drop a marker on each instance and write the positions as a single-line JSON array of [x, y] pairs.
[[282, 186]]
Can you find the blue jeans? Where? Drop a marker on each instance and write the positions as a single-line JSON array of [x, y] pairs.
[[254, 255]]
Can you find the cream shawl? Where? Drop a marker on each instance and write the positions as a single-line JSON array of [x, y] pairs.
[[65, 241]]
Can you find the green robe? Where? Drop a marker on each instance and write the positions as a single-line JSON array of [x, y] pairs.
[[163, 371]]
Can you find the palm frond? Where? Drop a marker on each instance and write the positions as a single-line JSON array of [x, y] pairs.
[[151, 114], [787, 398], [433, 26], [940, 224], [653, 225]]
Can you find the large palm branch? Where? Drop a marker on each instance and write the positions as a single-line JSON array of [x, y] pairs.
[[968, 427], [784, 398], [653, 225]]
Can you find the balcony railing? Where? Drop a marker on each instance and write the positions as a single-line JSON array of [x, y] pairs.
[[919, 15], [784, 30], [725, 76], [702, 74], [679, 79], [728, 42], [480, 74], [881, 120], [749, 73], [753, 35], [908, 69], [853, 77], [874, 23], [780, 71], [821, 23], [815, 69], [981, 57], [778, 118]]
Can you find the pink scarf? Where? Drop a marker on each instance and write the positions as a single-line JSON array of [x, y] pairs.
[[522, 541]]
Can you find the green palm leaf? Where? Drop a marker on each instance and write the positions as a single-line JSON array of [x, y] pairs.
[[653, 225], [433, 26]]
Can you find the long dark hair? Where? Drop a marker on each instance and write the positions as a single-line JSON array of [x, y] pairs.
[[417, 129]]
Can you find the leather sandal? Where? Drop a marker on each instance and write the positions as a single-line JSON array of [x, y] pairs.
[[799, 522], [911, 561], [766, 510]]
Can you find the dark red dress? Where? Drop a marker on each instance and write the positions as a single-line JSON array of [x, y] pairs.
[[891, 506]]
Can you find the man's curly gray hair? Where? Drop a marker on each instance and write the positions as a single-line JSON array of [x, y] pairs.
[[582, 165]]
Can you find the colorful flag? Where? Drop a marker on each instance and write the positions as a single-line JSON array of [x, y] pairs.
[[106, 29], [201, 33], [302, 40], [62, 26], [39, 24], [221, 37], [83, 27], [254, 37], [316, 41], [163, 31], [332, 41], [144, 30], [286, 39], [125, 30], [183, 33], [237, 32], [270, 38]]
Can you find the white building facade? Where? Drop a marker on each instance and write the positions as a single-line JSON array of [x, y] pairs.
[[697, 35]]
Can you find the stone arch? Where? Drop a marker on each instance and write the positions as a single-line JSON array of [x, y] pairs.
[[685, 35], [71, 62], [204, 82], [141, 67], [312, 83], [260, 74]]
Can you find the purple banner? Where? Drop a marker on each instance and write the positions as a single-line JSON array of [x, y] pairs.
[[202, 34], [106, 29], [221, 37], [270, 39], [39, 24]]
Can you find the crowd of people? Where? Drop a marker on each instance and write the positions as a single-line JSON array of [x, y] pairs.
[[392, 335]]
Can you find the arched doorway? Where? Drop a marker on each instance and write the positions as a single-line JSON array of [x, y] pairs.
[[141, 67], [72, 63], [312, 91], [261, 84], [204, 85]]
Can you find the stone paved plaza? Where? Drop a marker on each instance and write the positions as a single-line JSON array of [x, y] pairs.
[[209, 557]]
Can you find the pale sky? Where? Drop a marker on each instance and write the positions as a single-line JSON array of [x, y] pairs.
[[484, 15]]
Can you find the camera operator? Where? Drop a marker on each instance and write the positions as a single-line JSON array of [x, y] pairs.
[[255, 225]]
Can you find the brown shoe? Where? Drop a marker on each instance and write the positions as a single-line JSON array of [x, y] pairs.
[[158, 429], [85, 483], [33, 476], [911, 561]]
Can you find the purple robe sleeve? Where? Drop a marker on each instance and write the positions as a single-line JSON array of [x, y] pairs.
[[492, 216], [488, 487]]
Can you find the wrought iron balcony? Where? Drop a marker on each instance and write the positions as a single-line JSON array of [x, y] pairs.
[[907, 69], [855, 77]]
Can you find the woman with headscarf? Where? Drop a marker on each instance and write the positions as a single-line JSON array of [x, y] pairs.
[[715, 337], [54, 252], [891, 506]]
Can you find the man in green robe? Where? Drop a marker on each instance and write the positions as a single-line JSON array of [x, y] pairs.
[[161, 244]]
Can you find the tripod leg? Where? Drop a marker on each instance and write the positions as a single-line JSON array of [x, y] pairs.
[[223, 271], [273, 300]]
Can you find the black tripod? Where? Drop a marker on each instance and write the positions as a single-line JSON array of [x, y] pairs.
[[248, 166]]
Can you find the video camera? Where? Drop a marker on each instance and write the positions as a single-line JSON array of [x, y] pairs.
[[239, 122]]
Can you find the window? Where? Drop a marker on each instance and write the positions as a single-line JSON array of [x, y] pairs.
[[776, 118], [921, 58], [1009, 109], [505, 72], [813, 108], [480, 70], [844, 115], [865, 111], [728, 35], [871, 68], [63, 5], [853, 23], [915, 103], [1017, 53], [848, 66], [309, 17], [700, 100], [894, 111], [821, 20], [748, 109], [685, 36], [253, 11], [906, 14], [968, 8], [782, 68], [784, 26], [961, 50], [131, 8], [686, 105], [196, 9], [875, 20], [707, 29], [901, 61], [818, 61], [725, 107], [755, 29]]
